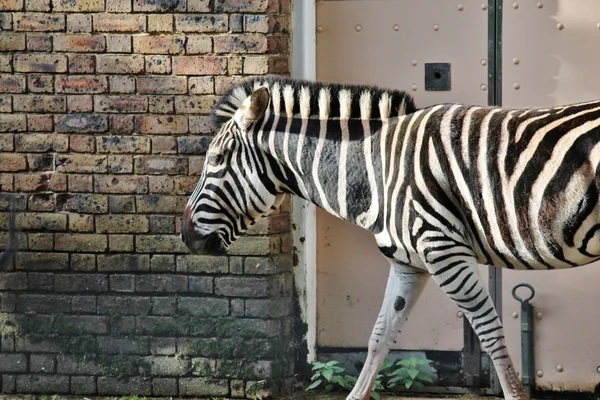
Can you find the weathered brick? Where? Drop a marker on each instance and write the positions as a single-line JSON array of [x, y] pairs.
[[201, 85], [234, 65], [161, 104], [124, 305], [118, 44], [118, 164], [251, 245], [39, 123], [199, 5], [224, 83], [246, 287], [203, 387], [82, 203], [193, 144], [41, 142], [163, 44], [164, 306], [268, 308], [42, 221], [83, 304], [159, 244], [83, 262], [159, 204], [82, 385], [41, 182], [122, 223], [80, 103], [81, 183], [5, 21], [40, 63], [79, 43], [161, 184], [203, 307], [121, 124], [151, 165], [42, 363], [201, 23], [122, 283], [120, 243], [16, 83], [199, 65], [121, 104], [246, 6], [158, 124], [113, 345], [164, 145], [185, 184], [164, 387], [241, 44], [201, 284], [120, 64], [40, 241], [79, 23], [39, 42], [5, 62], [159, 5], [81, 64], [42, 261], [121, 204], [81, 223], [82, 324], [236, 23], [81, 123], [119, 23], [39, 103], [162, 263], [121, 84], [256, 65], [40, 83], [12, 42], [67, 364], [82, 144], [11, 5], [158, 64], [43, 384], [39, 22], [81, 84], [202, 264], [6, 103], [161, 283], [13, 280], [160, 23], [43, 303], [80, 242], [160, 326], [121, 184], [12, 123], [82, 163], [194, 104], [118, 6], [78, 5], [12, 162], [162, 224], [161, 85]]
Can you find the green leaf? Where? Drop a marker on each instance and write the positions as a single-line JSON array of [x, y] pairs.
[[417, 384], [424, 377], [375, 396], [315, 376], [327, 374], [424, 361], [408, 384], [314, 385], [332, 363], [318, 365], [329, 388], [405, 362], [413, 372]]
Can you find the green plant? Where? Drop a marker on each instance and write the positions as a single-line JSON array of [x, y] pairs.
[[408, 372], [327, 375]]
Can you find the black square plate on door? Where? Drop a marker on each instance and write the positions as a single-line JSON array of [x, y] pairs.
[[437, 76]]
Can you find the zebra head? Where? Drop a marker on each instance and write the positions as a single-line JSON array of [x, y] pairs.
[[236, 186]]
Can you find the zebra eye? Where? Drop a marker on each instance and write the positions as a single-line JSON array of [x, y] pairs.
[[215, 160]]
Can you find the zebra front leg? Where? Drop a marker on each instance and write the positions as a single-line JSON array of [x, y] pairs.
[[462, 283], [404, 286]]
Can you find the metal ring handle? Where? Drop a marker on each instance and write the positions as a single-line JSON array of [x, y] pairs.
[[524, 299]]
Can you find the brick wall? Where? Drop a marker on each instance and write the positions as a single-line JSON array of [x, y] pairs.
[[103, 128]]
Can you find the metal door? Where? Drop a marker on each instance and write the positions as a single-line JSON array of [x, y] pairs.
[[387, 43]]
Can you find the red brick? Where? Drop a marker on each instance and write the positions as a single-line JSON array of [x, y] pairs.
[[201, 23], [13, 83], [81, 123], [82, 103], [41, 143], [12, 41], [185, 184], [194, 104], [39, 42], [81, 163], [198, 65], [224, 83], [79, 43], [159, 44], [279, 65], [158, 64], [119, 23], [81, 242], [120, 124], [246, 44], [39, 22], [78, 5], [123, 144], [120, 64], [11, 162], [79, 23], [121, 184], [39, 103], [234, 65], [162, 84], [162, 124], [160, 23], [199, 44], [12, 123], [40, 63], [202, 85], [81, 84], [82, 143], [41, 182], [246, 6], [121, 104], [39, 123], [11, 5], [82, 64], [159, 5], [40, 83]]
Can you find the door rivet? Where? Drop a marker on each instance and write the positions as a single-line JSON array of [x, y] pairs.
[[598, 369], [414, 88], [515, 5], [436, 27], [516, 61], [484, 7], [559, 368], [515, 314], [358, 28], [517, 86], [320, 28], [460, 7], [483, 62], [560, 26], [483, 87], [396, 27], [414, 63], [540, 5], [539, 315], [459, 314], [539, 373]]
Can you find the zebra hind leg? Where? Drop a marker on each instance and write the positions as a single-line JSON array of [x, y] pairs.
[[404, 286], [463, 284]]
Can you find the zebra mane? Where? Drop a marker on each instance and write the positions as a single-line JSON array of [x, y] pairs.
[[316, 99]]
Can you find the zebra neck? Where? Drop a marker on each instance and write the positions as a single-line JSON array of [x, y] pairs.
[[332, 163]]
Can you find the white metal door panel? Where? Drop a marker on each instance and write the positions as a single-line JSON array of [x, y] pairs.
[[551, 54], [386, 43]]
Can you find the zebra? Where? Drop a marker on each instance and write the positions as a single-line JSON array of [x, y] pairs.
[[442, 188]]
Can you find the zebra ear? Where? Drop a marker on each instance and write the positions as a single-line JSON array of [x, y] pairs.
[[253, 108]]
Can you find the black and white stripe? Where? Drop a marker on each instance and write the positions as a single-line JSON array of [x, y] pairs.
[[442, 188]]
